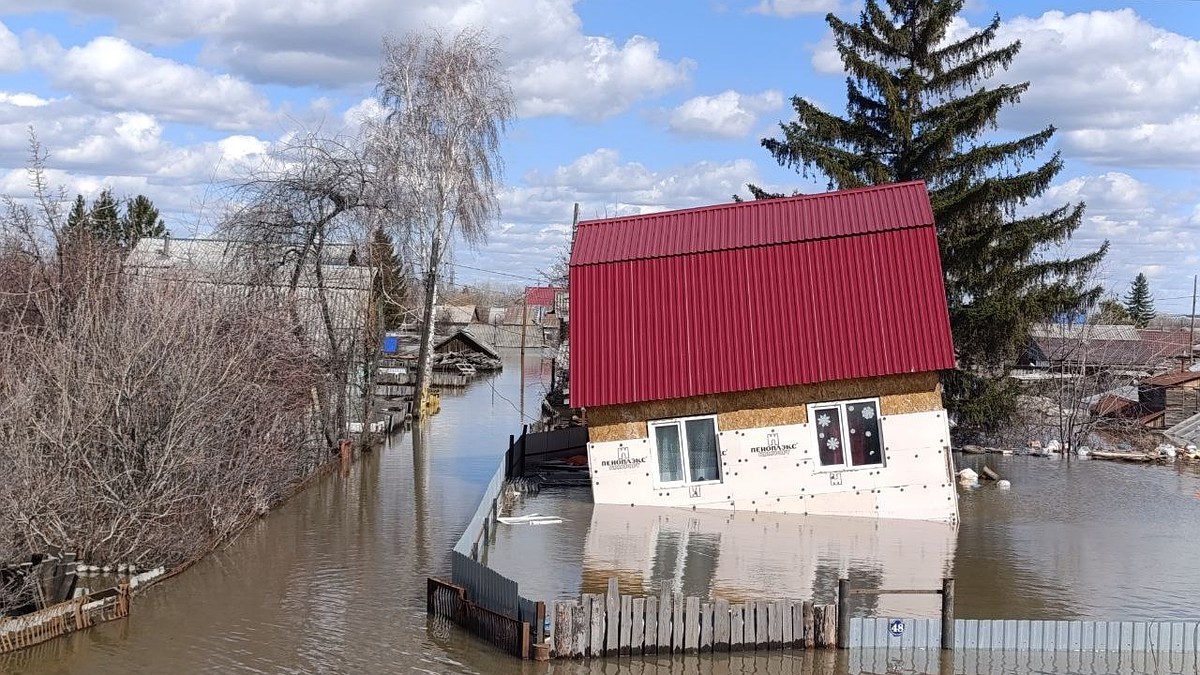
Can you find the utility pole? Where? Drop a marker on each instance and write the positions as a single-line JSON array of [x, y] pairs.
[[1192, 333], [425, 355], [524, 331]]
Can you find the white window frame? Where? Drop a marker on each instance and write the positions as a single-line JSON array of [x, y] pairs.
[[846, 464], [683, 451]]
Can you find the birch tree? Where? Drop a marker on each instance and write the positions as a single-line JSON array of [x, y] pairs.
[[447, 104]]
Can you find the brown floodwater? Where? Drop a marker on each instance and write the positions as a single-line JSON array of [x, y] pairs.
[[334, 580]]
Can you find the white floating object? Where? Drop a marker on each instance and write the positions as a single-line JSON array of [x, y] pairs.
[[1003, 484], [106, 569], [131, 568], [122, 568], [93, 569], [81, 568], [968, 476], [531, 519]]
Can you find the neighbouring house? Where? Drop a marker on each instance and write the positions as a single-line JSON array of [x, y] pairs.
[[465, 342], [1175, 395], [541, 296], [1088, 348], [222, 263], [455, 315], [775, 355]]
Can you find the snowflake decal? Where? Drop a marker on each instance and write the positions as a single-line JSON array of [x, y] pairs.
[[833, 444], [823, 420], [868, 412]]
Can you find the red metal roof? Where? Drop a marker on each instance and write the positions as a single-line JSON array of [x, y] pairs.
[[1171, 379], [757, 294], [540, 296]]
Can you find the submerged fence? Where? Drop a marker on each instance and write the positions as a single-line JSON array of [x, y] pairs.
[[480, 599], [612, 624], [65, 617]]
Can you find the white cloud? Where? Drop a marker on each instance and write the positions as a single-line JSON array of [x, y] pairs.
[[112, 74], [1151, 229], [11, 59], [1122, 90], [595, 80], [555, 67], [790, 8], [606, 185], [729, 114]]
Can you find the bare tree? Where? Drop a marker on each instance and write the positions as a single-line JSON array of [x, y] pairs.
[[447, 103], [297, 214], [142, 419]]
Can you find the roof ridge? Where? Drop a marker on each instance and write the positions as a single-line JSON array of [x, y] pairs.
[[831, 194]]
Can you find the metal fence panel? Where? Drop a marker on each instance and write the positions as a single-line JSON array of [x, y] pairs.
[[486, 587]]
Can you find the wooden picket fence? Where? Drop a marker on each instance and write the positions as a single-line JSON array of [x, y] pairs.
[[65, 617], [611, 624]]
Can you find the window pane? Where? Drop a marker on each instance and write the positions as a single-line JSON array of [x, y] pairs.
[[703, 458], [862, 418], [829, 435], [670, 460]]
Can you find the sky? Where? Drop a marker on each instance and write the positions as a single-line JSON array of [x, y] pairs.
[[622, 106]]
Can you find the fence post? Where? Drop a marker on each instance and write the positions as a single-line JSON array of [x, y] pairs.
[[843, 614], [948, 613], [508, 457]]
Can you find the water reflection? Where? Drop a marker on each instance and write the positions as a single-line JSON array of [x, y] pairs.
[[743, 555]]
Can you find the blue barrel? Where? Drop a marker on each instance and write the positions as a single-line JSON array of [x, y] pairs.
[[391, 344]]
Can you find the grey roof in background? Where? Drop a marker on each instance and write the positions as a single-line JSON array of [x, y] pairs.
[[1089, 331]]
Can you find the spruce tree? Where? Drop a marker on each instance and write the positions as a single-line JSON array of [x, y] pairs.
[[104, 217], [1138, 301], [917, 108], [391, 281], [140, 220], [78, 217]]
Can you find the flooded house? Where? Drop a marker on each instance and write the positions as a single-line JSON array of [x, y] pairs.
[[777, 355]]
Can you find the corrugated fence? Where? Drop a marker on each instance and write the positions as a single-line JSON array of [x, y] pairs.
[[1029, 636]]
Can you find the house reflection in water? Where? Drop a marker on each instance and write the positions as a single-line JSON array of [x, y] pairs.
[[739, 555]]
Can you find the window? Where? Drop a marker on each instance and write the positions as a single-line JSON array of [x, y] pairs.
[[687, 451], [848, 433]]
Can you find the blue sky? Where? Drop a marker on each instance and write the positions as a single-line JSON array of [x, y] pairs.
[[624, 106]]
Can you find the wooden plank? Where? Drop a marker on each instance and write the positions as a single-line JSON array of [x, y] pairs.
[[625, 636], [564, 620], [665, 614], [706, 627], [691, 619], [785, 619], [612, 622], [748, 627], [762, 639], [736, 621], [808, 616], [797, 621], [721, 625], [775, 624], [581, 624], [651, 646], [638, 633], [825, 618], [677, 624], [596, 643]]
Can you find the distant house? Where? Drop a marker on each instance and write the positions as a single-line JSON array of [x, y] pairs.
[[222, 263], [463, 341], [541, 296], [1091, 347], [777, 355], [1175, 395], [458, 315]]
